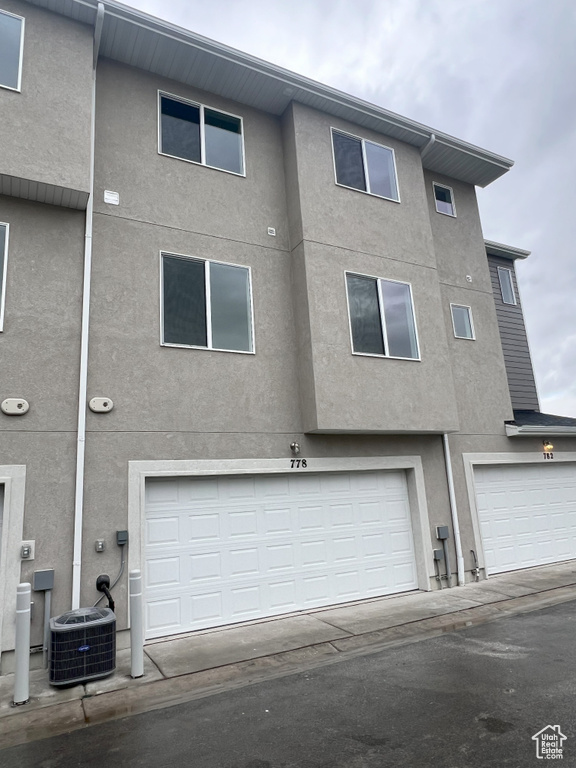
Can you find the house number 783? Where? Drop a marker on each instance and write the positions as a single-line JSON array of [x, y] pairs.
[[297, 463]]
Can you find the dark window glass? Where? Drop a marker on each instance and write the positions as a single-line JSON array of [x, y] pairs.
[[506, 285], [184, 301], [10, 37], [230, 302], [443, 200], [365, 315], [180, 129], [349, 161], [223, 135], [381, 172], [399, 319]]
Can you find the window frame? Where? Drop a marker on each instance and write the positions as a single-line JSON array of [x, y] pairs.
[[207, 296], [472, 330], [334, 130], [444, 186], [511, 278], [18, 88], [4, 274], [382, 317], [202, 108]]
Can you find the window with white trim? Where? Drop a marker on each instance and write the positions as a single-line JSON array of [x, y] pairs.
[[206, 304], [198, 134], [462, 321], [506, 285], [11, 44], [444, 199], [3, 265], [364, 165], [381, 317]]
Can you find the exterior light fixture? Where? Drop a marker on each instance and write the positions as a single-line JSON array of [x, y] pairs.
[[547, 446], [295, 448]]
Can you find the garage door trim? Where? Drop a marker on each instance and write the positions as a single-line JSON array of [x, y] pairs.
[[472, 460], [139, 471]]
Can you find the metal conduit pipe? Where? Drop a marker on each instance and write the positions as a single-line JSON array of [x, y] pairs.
[[83, 385], [454, 511]]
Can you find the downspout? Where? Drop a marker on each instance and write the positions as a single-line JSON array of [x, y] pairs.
[[83, 386], [454, 511], [428, 146]]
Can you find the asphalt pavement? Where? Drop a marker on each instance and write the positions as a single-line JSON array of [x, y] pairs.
[[472, 698]]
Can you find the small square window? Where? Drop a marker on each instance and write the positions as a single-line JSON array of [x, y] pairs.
[[206, 304], [3, 265], [11, 43], [364, 165], [444, 198], [201, 135], [506, 285], [462, 321], [381, 317]]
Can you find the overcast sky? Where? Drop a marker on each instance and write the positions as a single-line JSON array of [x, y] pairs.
[[497, 73]]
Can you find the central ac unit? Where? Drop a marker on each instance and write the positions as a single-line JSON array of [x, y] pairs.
[[82, 645]]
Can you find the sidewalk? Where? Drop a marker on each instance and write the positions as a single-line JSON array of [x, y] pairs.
[[213, 661]]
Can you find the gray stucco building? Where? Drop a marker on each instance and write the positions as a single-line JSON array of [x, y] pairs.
[[254, 322]]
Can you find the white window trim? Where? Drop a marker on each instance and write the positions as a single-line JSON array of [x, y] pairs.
[[382, 318], [201, 107], [4, 274], [472, 460], [138, 471], [463, 306], [443, 186], [209, 348], [18, 88], [500, 271], [13, 477], [362, 140]]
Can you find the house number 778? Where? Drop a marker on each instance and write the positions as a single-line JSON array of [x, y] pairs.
[[297, 463]]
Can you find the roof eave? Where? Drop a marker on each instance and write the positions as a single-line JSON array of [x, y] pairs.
[[505, 251], [514, 430]]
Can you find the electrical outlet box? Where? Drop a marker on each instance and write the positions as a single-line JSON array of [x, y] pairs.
[[442, 532], [121, 538], [43, 580], [28, 550], [438, 554], [99, 545]]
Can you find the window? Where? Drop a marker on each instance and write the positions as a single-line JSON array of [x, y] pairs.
[[198, 134], [364, 165], [444, 198], [206, 304], [506, 285], [462, 321], [11, 40], [381, 317], [3, 264]]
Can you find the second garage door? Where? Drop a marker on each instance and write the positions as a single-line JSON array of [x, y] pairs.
[[527, 514], [220, 550]]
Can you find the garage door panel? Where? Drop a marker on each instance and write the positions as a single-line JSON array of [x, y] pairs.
[[526, 514], [245, 548]]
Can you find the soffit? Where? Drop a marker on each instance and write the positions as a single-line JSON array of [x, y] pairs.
[[142, 41]]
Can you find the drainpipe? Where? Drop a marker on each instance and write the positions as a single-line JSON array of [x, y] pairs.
[[454, 511], [428, 146], [83, 386]]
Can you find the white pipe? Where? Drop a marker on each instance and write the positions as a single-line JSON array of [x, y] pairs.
[[136, 625], [83, 385], [454, 511], [22, 650]]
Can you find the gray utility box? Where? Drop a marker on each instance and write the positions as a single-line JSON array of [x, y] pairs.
[[82, 646]]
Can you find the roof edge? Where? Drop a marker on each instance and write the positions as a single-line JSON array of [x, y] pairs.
[[505, 251]]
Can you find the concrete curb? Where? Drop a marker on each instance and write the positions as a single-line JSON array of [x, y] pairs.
[[41, 719]]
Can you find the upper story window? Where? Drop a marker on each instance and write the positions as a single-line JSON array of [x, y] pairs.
[[11, 44], [506, 285], [3, 264], [444, 198], [206, 304], [364, 165], [199, 134], [462, 321], [381, 317]]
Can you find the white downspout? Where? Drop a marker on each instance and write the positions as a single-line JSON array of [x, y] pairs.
[[83, 386], [454, 511]]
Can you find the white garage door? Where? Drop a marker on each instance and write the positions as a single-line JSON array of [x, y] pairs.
[[527, 514], [220, 550]]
